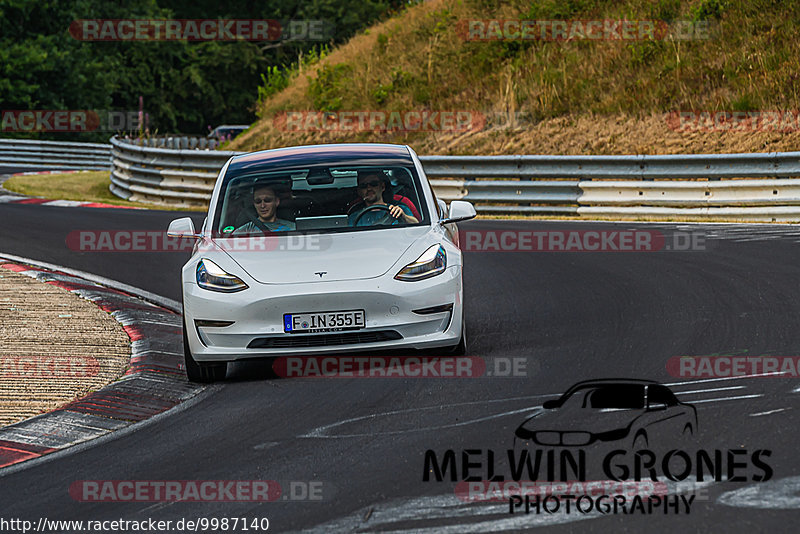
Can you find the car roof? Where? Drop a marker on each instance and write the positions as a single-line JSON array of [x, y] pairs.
[[317, 155], [228, 127]]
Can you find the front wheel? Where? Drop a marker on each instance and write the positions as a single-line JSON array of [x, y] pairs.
[[201, 372]]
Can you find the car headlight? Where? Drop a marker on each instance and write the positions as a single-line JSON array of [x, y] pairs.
[[212, 277], [432, 262]]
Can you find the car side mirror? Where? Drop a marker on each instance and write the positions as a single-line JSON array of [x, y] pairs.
[[656, 407], [182, 228], [550, 405], [460, 210]]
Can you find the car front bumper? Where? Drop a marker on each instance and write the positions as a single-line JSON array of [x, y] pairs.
[[389, 304]]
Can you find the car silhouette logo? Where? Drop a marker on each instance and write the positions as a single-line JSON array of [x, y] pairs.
[[321, 273], [610, 410]]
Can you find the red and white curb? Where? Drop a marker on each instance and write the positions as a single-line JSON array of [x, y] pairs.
[[15, 199], [154, 383]]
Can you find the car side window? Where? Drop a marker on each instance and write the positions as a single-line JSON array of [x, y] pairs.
[[618, 397], [661, 395]]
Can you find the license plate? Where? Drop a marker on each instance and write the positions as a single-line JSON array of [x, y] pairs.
[[323, 321]]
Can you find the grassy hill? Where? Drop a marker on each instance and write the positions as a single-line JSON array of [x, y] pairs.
[[576, 96]]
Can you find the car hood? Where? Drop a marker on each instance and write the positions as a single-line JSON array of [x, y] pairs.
[[291, 259], [581, 420]]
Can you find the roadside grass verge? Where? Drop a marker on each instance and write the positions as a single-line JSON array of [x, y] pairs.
[[88, 186], [572, 97]]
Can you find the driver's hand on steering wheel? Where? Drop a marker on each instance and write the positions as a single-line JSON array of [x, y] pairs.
[[396, 212]]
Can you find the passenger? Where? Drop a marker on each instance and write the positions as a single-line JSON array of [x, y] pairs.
[[371, 188], [266, 203]]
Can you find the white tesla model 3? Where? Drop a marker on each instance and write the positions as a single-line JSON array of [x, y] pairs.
[[321, 249]]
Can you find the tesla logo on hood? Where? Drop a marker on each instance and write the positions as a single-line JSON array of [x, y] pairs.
[[321, 273]]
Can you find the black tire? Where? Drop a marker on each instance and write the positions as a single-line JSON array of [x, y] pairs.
[[461, 348], [202, 373]]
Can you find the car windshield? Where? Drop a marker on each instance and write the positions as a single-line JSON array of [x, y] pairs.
[[315, 199]]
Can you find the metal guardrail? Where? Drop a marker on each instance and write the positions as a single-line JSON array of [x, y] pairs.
[[163, 175], [761, 186], [180, 142], [54, 155], [730, 186], [642, 167]]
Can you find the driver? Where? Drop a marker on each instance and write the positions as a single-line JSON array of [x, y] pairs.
[[371, 188], [266, 203]]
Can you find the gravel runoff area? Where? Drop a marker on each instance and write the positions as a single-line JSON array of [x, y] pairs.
[[54, 347]]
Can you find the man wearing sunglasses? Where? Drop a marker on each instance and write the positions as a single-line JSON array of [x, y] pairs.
[[375, 210], [266, 203]]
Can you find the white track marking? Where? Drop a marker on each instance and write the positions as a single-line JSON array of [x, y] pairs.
[[759, 414], [65, 203], [424, 509], [722, 378], [708, 390], [322, 431], [317, 432], [156, 506], [266, 445], [782, 494], [727, 398]]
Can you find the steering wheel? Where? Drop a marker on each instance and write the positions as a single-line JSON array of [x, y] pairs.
[[256, 222], [387, 218]]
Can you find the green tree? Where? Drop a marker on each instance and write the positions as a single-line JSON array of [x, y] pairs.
[[186, 86]]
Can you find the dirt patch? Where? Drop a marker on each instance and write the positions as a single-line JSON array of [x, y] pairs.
[[54, 347]]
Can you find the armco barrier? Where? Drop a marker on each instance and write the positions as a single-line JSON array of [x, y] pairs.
[[164, 175], [54, 155], [186, 177], [761, 186]]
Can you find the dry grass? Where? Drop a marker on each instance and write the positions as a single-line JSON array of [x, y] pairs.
[[577, 97]]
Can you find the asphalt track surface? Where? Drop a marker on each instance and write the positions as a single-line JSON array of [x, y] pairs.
[[572, 316]]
